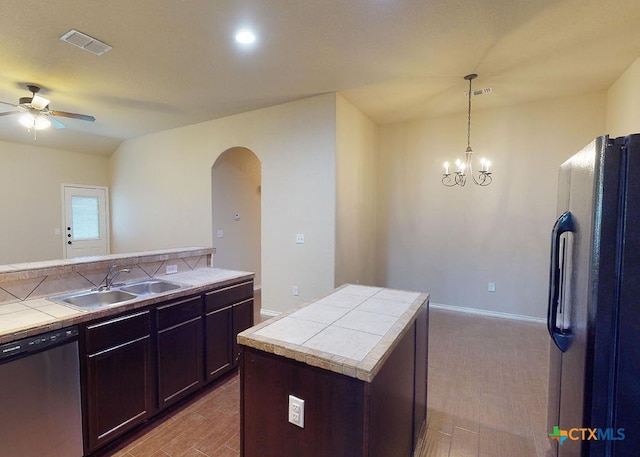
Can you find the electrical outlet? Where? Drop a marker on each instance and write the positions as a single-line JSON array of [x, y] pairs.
[[295, 290], [171, 269], [299, 238], [296, 411], [491, 287]]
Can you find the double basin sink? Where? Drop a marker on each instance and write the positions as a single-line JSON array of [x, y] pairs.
[[116, 295]]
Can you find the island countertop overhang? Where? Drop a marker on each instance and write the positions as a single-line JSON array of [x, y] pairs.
[[351, 330]]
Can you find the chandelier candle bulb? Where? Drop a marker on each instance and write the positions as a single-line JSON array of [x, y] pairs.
[[446, 168]]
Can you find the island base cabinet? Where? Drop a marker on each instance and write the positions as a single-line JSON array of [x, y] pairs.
[[343, 416], [334, 409]]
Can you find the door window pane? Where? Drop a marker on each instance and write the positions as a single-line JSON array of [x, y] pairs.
[[86, 217]]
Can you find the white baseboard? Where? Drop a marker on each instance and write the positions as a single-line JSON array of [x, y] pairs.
[[268, 313], [483, 312]]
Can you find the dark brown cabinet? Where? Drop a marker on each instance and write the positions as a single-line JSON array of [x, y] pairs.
[[140, 362], [119, 376], [179, 349], [242, 320], [344, 416], [219, 336], [229, 310]]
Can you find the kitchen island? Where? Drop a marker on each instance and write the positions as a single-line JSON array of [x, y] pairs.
[[357, 358]]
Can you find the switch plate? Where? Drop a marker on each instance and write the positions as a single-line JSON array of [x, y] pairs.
[[296, 411], [171, 269], [295, 290], [219, 233], [491, 287], [299, 238]]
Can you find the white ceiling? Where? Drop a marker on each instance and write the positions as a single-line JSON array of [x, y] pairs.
[[174, 62]]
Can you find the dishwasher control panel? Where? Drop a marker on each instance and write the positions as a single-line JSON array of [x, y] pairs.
[[37, 342]]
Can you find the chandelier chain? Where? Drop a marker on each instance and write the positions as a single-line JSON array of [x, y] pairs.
[[469, 118]]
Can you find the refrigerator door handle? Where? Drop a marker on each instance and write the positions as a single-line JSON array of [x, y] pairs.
[[561, 338]]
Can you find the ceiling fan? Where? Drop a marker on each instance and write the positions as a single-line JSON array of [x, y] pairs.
[[36, 113]]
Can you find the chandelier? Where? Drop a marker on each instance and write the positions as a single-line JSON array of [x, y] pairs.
[[464, 168]]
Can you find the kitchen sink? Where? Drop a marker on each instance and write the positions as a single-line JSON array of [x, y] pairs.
[[150, 286], [95, 299], [102, 298]]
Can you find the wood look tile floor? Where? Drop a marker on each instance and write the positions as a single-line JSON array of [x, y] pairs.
[[486, 398], [487, 387]]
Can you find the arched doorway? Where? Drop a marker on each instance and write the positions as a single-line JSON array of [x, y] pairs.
[[236, 180]]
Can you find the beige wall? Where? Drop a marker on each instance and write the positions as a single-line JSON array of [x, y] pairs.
[[31, 197], [451, 242], [236, 182], [356, 195], [161, 191], [623, 103]]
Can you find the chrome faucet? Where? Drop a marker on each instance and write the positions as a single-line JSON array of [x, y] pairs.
[[111, 276]]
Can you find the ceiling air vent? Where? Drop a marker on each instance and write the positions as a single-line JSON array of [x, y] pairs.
[[85, 42]]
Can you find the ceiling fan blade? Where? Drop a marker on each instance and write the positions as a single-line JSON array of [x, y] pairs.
[[10, 104], [56, 123], [39, 102], [82, 117], [9, 113]]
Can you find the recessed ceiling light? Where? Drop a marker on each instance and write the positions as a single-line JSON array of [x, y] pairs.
[[245, 36]]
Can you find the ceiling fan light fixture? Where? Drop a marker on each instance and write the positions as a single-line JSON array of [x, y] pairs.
[[38, 122], [39, 102]]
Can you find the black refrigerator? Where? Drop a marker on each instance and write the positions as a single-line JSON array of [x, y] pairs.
[[593, 313]]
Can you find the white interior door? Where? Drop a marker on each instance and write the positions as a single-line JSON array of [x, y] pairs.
[[86, 220]]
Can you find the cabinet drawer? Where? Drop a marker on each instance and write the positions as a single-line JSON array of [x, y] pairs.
[[178, 312], [228, 295], [116, 331]]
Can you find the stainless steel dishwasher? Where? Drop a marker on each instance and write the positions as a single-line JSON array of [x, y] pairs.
[[40, 414]]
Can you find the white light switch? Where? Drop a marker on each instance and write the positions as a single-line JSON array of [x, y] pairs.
[[219, 233], [296, 411], [295, 290], [491, 287], [300, 238]]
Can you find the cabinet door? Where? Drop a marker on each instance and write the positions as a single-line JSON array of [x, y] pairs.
[[180, 337], [242, 320], [119, 390], [120, 384], [219, 327], [179, 361]]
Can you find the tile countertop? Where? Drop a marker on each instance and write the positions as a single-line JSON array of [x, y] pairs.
[[351, 331], [32, 317]]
